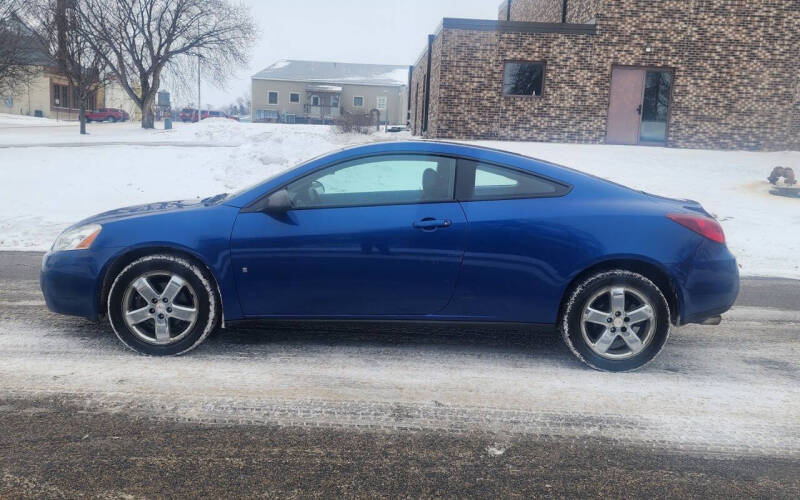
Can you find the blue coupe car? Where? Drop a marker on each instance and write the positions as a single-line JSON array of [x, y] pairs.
[[404, 231]]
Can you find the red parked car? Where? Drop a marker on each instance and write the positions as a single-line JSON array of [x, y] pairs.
[[190, 115], [107, 115]]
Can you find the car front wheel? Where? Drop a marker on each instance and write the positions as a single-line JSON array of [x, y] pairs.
[[616, 321], [163, 305]]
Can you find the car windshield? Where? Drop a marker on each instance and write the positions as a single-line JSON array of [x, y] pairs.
[[255, 184]]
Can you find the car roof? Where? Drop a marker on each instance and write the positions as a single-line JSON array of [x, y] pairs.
[[480, 153], [440, 146], [468, 151]]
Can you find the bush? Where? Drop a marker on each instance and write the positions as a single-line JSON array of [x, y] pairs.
[[355, 124]]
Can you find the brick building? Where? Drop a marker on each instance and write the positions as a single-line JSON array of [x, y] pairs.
[[717, 74]]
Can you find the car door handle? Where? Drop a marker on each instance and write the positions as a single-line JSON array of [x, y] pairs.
[[429, 224]]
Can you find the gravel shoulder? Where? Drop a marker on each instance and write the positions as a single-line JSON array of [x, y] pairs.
[[53, 449]]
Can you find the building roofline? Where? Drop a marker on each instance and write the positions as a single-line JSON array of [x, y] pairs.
[[390, 67], [435, 35], [518, 26], [335, 62], [328, 82], [508, 27]]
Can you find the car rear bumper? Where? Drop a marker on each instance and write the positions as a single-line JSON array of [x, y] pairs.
[[71, 281], [711, 287]]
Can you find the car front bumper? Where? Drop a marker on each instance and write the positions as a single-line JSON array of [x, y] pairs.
[[71, 281]]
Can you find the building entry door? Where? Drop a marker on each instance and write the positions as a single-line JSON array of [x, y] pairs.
[[639, 105]]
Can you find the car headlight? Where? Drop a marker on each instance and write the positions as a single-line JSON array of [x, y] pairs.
[[79, 238]]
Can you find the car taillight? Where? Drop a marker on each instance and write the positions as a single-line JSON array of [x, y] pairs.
[[703, 226]]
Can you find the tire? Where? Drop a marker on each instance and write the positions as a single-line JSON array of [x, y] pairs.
[[606, 341], [110, 119], [169, 287]]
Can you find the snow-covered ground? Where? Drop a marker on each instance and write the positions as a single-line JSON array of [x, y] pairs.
[[47, 183], [8, 121]]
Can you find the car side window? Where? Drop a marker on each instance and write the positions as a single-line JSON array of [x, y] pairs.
[[482, 181], [377, 180]]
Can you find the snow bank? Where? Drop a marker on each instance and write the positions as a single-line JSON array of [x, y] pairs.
[[9, 120], [45, 189]]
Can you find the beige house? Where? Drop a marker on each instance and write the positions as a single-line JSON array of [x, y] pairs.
[[320, 92], [49, 95], [46, 94]]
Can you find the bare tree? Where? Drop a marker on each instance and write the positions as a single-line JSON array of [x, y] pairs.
[[140, 39], [17, 55], [244, 102], [57, 26], [241, 106]]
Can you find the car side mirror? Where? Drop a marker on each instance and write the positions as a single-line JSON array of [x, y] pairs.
[[278, 203]]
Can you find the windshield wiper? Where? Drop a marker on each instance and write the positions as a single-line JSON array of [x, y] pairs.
[[214, 199]]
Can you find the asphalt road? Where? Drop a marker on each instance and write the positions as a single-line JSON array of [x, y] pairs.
[[364, 410]]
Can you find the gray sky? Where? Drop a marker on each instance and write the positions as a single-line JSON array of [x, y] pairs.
[[358, 31]]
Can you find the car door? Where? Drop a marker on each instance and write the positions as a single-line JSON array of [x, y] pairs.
[[374, 236], [517, 247]]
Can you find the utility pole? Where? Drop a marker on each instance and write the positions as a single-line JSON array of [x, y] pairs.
[[61, 50], [199, 105]]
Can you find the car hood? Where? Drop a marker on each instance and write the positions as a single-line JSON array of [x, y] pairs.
[[143, 210]]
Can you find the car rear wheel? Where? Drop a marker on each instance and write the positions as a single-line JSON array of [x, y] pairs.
[[616, 321], [163, 305], [110, 119]]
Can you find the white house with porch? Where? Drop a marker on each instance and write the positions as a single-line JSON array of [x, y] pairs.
[[291, 91]]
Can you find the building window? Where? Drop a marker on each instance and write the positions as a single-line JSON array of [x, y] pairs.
[[294, 97], [655, 106], [60, 96], [358, 102], [334, 101], [266, 114], [381, 103], [315, 100], [523, 79], [272, 97]]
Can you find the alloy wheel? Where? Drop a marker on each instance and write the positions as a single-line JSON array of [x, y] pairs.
[[160, 307], [618, 322]]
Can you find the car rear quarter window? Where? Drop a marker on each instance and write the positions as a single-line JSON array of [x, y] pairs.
[[483, 181]]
